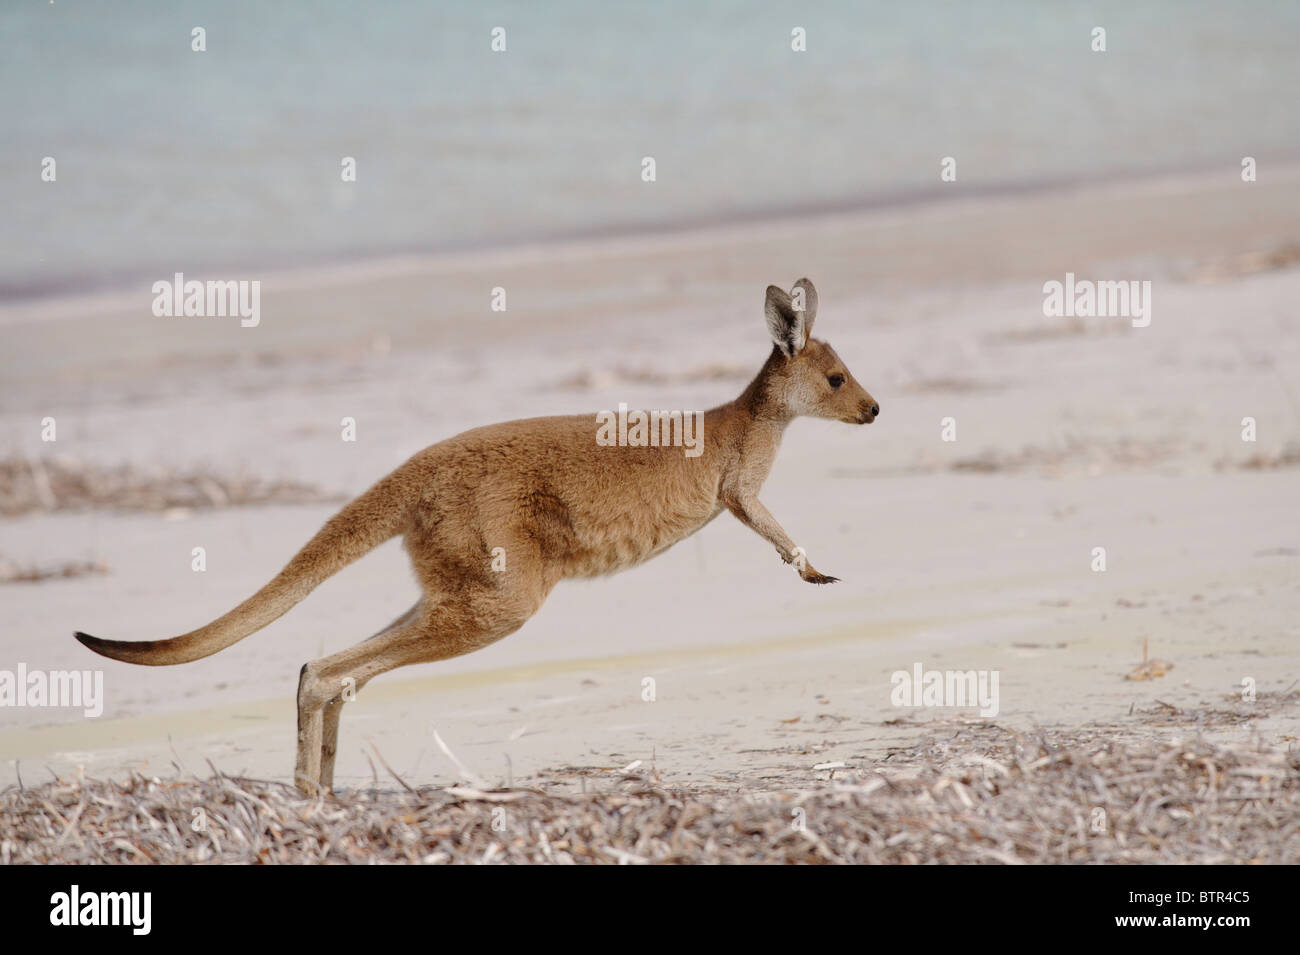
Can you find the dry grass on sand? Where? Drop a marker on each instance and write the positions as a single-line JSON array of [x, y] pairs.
[[66, 484], [979, 794]]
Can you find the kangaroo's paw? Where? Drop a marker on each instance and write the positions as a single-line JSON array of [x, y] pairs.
[[813, 577]]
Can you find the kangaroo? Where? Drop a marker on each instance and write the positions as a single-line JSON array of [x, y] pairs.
[[557, 503]]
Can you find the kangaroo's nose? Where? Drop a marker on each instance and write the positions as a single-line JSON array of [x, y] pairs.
[[875, 410]]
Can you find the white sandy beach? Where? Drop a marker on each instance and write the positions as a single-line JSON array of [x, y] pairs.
[[974, 554]]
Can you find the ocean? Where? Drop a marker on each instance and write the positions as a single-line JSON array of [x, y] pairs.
[[230, 160]]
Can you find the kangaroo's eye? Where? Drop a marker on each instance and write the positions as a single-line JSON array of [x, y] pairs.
[[836, 380]]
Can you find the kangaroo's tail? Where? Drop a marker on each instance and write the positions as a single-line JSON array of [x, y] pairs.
[[377, 515]]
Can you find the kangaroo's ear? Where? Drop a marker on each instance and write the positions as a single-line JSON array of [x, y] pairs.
[[784, 323], [804, 295]]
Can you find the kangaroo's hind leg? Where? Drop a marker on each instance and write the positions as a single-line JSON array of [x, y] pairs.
[[472, 618], [334, 709]]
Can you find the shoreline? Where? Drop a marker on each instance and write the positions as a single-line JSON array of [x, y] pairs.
[[619, 238]]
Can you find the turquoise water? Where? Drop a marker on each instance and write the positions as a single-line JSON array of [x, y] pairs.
[[171, 160]]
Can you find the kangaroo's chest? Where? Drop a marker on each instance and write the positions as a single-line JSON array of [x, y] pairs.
[[746, 474]]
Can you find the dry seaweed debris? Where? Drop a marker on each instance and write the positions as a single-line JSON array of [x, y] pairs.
[[12, 573], [588, 379], [1286, 457], [981, 795], [1074, 454], [62, 483], [1230, 267]]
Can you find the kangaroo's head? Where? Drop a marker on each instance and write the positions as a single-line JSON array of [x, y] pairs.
[[804, 376]]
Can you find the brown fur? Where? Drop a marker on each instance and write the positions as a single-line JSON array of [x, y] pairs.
[[559, 504]]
